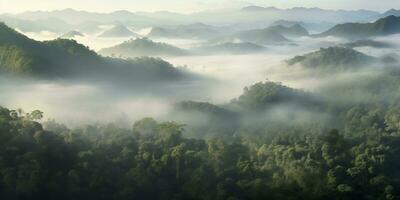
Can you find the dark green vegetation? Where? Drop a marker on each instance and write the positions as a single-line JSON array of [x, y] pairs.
[[333, 59], [230, 48], [352, 156], [143, 47], [118, 31], [62, 58], [385, 26], [341, 141]]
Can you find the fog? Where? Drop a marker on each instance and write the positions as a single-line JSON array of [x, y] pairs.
[[225, 76]]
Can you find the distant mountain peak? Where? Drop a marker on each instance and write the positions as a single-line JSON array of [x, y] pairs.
[[143, 47], [118, 31], [71, 34], [384, 26], [258, 8], [391, 12]]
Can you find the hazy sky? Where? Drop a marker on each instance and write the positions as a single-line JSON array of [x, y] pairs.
[[186, 6]]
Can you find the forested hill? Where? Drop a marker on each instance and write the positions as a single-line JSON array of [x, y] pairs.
[[63, 58], [295, 30], [154, 160], [143, 47], [355, 31], [333, 59]]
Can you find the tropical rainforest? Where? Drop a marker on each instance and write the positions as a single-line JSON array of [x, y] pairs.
[[213, 105]]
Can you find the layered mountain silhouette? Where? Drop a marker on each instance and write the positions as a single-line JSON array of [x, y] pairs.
[[230, 48], [390, 12], [295, 30], [118, 31], [309, 26], [258, 36], [67, 59], [193, 31], [369, 43], [354, 31], [71, 34], [143, 47]]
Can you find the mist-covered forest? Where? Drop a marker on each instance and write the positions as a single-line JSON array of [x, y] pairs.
[[243, 104]]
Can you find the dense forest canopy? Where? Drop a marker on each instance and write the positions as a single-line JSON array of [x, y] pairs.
[[333, 59], [263, 108]]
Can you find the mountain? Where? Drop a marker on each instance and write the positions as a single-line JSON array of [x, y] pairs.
[[295, 30], [246, 16], [143, 47], [72, 16], [355, 31], [89, 27], [71, 34], [67, 59], [316, 27], [118, 31], [230, 48], [27, 25], [249, 18], [333, 58], [259, 9], [259, 36], [368, 43], [192, 31], [390, 12], [311, 14], [264, 95]]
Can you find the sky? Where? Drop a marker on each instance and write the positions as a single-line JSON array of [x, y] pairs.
[[187, 6]]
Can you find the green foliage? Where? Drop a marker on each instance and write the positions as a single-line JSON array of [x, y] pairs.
[[267, 94], [65, 58], [333, 59], [155, 161]]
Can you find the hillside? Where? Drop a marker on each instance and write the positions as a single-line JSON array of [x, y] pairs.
[[67, 59], [333, 58], [192, 31], [71, 34], [230, 48], [369, 43], [355, 31], [259, 36], [390, 12], [143, 47], [118, 31], [295, 30], [316, 27], [265, 95]]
